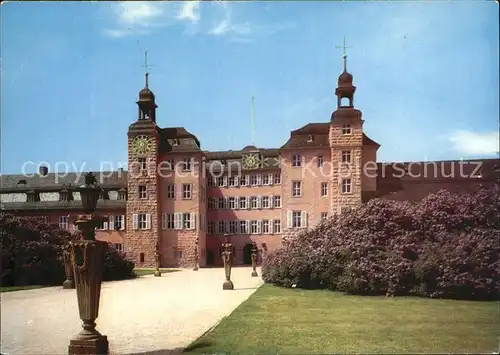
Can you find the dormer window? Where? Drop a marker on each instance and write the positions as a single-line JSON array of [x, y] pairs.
[[32, 196], [21, 182], [65, 195], [310, 139], [176, 142], [346, 129], [122, 194]]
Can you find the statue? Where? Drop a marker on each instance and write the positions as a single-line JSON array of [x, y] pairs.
[[196, 256], [227, 259], [254, 260], [157, 259]]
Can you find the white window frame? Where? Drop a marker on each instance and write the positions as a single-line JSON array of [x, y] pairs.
[[187, 191], [253, 180], [346, 186], [64, 222], [346, 129], [143, 194], [171, 191], [321, 161], [253, 202], [277, 201], [187, 163], [242, 202], [324, 189], [345, 156], [232, 202], [296, 160], [277, 178], [276, 226], [265, 226], [265, 202], [296, 188]]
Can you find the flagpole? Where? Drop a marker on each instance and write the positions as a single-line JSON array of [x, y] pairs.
[[253, 120]]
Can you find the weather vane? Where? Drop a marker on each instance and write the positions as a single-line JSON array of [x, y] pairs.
[[344, 47]]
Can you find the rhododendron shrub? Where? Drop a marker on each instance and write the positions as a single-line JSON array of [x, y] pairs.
[[446, 245], [31, 253]]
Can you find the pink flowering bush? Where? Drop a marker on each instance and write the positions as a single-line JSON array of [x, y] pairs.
[[447, 245], [31, 253]]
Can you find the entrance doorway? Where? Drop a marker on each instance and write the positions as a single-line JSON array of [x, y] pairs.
[[210, 257], [247, 254]]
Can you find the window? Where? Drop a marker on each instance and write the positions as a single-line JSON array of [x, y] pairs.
[[233, 203], [210, 181], [143, 193], [253, 202], [142, 163], [296, 188], [320, 161], [170, 164], [296, 160], [186, 164], [171, 191], [265, 202], [63, 222], [211, 227], [324, 215], [143, 220], [222, 203], [243, 227], [186, 191], [178, 254], [310, 138], [253, 180], [345, 209], [176, 141], [243, 202], [277, 179], [222, 227], [277, 202], [117, 222], [253, 227], [232, 181], [346, 186], [233, 227], [187, 222], [170, 221], [324, 189], [346, 129], [122, 194], [141, 257], [346, 156], [211, 203], [296, 219], [277, 226], [265, 226], [118, 247], [219, 181], [266, 179]]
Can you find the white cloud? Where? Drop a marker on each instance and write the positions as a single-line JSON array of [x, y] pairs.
[[135, 18], [472, 143], [189, 11]]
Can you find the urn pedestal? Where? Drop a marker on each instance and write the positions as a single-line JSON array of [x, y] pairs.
[[87, 258], [254, 261], [227, 259]]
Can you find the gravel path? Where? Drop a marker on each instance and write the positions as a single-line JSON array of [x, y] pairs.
[[147, 314]]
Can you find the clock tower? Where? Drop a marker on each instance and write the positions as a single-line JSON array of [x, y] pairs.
[[142, 219]]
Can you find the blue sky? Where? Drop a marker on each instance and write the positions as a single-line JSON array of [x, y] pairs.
[[426, 74]]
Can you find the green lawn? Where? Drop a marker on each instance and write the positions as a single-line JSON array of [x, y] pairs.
[[18, 288], [278, 320], [149, 271]]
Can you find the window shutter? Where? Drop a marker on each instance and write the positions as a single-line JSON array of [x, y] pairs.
[[226, 202], [248, 202], [111, 222], [123, 222], [177, 221], [259, 201], [271, 179], [271, 226], [135, 221], [259, 180], [224, 181], [247, 223], [303, 219], [259, 227], [105, 225], [236, 180], [247, 180], [148, 221], [237, 203], [163, 221], [289, 215], [193, 220]]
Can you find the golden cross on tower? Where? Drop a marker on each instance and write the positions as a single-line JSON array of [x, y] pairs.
[[344, 47]]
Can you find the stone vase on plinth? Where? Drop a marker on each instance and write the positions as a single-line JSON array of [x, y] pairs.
[[69, 283]]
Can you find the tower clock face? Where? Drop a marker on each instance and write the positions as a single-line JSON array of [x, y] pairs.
[[142, 145], [251, 161]]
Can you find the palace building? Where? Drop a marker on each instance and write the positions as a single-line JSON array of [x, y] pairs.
[[176, 194]]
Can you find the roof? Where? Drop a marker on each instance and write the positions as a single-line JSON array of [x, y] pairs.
[[186, 140], [320, 131], [40, 206], [58, 181]]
